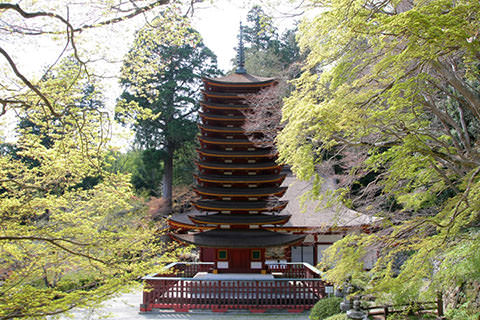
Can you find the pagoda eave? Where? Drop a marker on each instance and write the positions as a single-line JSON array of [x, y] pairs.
[[240, 154], [223, 95], [225, 141], [239, 166], [240, 219], [221, 129], [243, 179], [239, 80], [216, 117], [241, 238], [180, 225], [221, 106], [230, 206], [236, 192]]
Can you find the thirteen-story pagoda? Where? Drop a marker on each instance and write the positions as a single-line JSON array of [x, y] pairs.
[[238, 182]]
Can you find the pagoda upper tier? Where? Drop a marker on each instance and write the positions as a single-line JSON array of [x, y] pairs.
[[238, 182], [235, 175]]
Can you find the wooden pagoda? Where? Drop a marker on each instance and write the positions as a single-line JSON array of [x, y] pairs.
[[238, 183], [238, 216]]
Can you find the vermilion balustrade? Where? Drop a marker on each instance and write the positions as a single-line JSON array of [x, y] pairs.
[[298, 287]]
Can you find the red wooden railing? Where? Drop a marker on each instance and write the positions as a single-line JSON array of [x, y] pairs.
[[297, 291]]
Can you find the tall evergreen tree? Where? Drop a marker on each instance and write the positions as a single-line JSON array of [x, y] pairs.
[[267, 52], [161, 78], [260, 32]]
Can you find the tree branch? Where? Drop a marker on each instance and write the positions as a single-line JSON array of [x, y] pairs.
[[54, 241], [139, 10], [27, 82]]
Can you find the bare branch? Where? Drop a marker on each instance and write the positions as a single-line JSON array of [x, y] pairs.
[[28, 83], [54, 241], [138, 10]]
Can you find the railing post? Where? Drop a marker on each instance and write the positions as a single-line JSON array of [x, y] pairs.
[[385, 312]]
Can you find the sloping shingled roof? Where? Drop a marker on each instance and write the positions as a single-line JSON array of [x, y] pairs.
[[240, 78], [315, 213], [242, 179], [241, 238], [241, 191], [220, 218]]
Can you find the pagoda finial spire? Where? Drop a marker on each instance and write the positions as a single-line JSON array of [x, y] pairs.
[[240, 53]]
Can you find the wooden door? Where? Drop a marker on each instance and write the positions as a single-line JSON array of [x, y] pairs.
[[239, 260]]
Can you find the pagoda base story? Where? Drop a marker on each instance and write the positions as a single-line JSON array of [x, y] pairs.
[[183, 287]]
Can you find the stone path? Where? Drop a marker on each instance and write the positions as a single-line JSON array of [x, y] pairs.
[[125, 307]]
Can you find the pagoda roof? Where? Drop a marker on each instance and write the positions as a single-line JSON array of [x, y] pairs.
[[221, 129], [242, 192], [182, 221], [220, 205], [239, 79], [239, 219], [221, 117], [228, 95], [241, 238], [224, 106], [241, 179], [261, 153], [224, 141], [239, 166]]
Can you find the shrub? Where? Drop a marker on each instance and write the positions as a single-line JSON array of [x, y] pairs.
[[325, 308], [465, 311], [338, 316]]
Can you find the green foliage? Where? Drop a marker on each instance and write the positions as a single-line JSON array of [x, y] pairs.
[[267, 53], [397, 84], [350, 250], [72, 233], [259, 32], [339, 316], [162, 78], [184, 164], [325, 308], [146, 170], [466, 311]]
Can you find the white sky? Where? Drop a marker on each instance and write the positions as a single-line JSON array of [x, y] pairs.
[[219, 27], [218, 23]]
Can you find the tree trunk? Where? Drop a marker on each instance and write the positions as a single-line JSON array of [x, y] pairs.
[[168, 179]]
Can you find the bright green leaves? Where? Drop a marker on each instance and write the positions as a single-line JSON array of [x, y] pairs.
[[396, 83], [147, 63], [351, 251], [71, 233]]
